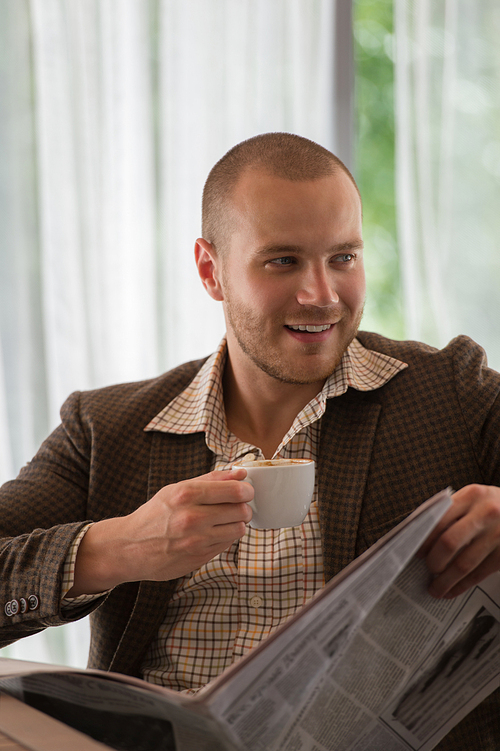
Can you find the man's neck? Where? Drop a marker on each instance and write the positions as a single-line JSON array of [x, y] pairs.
[[260, 409]]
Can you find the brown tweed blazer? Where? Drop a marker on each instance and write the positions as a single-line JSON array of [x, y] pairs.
[[382, 453]]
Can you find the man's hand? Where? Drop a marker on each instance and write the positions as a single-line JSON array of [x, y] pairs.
[[465, 546], [178, 530]]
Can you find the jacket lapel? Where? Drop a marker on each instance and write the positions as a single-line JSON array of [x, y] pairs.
[[173, 458], [347, 434]]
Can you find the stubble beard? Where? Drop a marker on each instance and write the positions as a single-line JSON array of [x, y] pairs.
[[247, 330]]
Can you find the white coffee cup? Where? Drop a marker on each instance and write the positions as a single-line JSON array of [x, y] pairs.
[[283, 491]]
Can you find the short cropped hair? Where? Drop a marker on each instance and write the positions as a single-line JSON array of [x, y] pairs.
[[283, 155]]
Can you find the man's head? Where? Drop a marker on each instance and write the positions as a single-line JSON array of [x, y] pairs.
[[286, 257], [283, 155]]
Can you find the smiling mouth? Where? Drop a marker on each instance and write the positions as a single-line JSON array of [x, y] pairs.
[[310, 328]]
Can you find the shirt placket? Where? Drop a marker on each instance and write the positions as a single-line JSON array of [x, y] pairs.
[[270, 574]]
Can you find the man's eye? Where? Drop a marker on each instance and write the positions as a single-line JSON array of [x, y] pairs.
[[283, 261], [346, 258]]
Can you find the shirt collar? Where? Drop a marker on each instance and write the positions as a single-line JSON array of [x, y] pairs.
[[200, 407]]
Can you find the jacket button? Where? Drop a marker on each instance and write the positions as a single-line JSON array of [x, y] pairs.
[[23, 605], [12, 608], [33, 602]]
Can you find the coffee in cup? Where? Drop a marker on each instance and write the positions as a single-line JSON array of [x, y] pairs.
[[283, 491]]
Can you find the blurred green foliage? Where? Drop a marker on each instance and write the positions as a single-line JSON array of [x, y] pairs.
[[374, 163]]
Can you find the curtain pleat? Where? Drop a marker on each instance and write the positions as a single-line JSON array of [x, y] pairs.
[[112, 113], [448, 168]]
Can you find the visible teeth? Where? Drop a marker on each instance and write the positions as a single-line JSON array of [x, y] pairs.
[[310, 329]]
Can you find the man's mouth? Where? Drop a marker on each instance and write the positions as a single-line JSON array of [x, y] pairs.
[[311, 329]]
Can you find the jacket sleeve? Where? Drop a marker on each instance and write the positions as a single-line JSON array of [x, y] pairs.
[[41, 513], [478, 394]]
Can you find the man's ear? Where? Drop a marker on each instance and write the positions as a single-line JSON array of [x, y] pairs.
[[208, 264]]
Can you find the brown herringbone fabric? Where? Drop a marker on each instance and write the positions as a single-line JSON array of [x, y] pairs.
[[382, 453]]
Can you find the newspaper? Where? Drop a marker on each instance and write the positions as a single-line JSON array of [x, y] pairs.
[[371, 662]]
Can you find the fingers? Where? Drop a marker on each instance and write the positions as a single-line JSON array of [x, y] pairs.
[[188, 523], [221, 475], [448, 544], [202, 505], [215, 488], [465, 546], [454, 513], [445, 586], [206, 517]]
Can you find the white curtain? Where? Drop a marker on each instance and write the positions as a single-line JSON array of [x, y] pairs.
[[448, 168], [112, 112]]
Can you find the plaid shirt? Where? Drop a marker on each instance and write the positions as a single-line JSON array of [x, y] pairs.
[[245, 593], [242, 595]]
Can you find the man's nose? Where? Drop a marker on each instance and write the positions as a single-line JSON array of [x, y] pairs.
[[317, 289]]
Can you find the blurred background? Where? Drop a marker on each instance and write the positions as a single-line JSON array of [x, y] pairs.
[[112, 112]]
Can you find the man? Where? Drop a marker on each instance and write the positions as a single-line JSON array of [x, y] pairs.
[[178, 585]]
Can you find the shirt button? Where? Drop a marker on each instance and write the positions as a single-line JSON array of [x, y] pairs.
[[256, 601]]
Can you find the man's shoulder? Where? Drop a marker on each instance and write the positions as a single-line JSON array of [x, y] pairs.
[[140, 399], [462, 349], [461, 365]]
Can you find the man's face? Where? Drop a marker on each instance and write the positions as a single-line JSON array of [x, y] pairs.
[[294, 261]]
